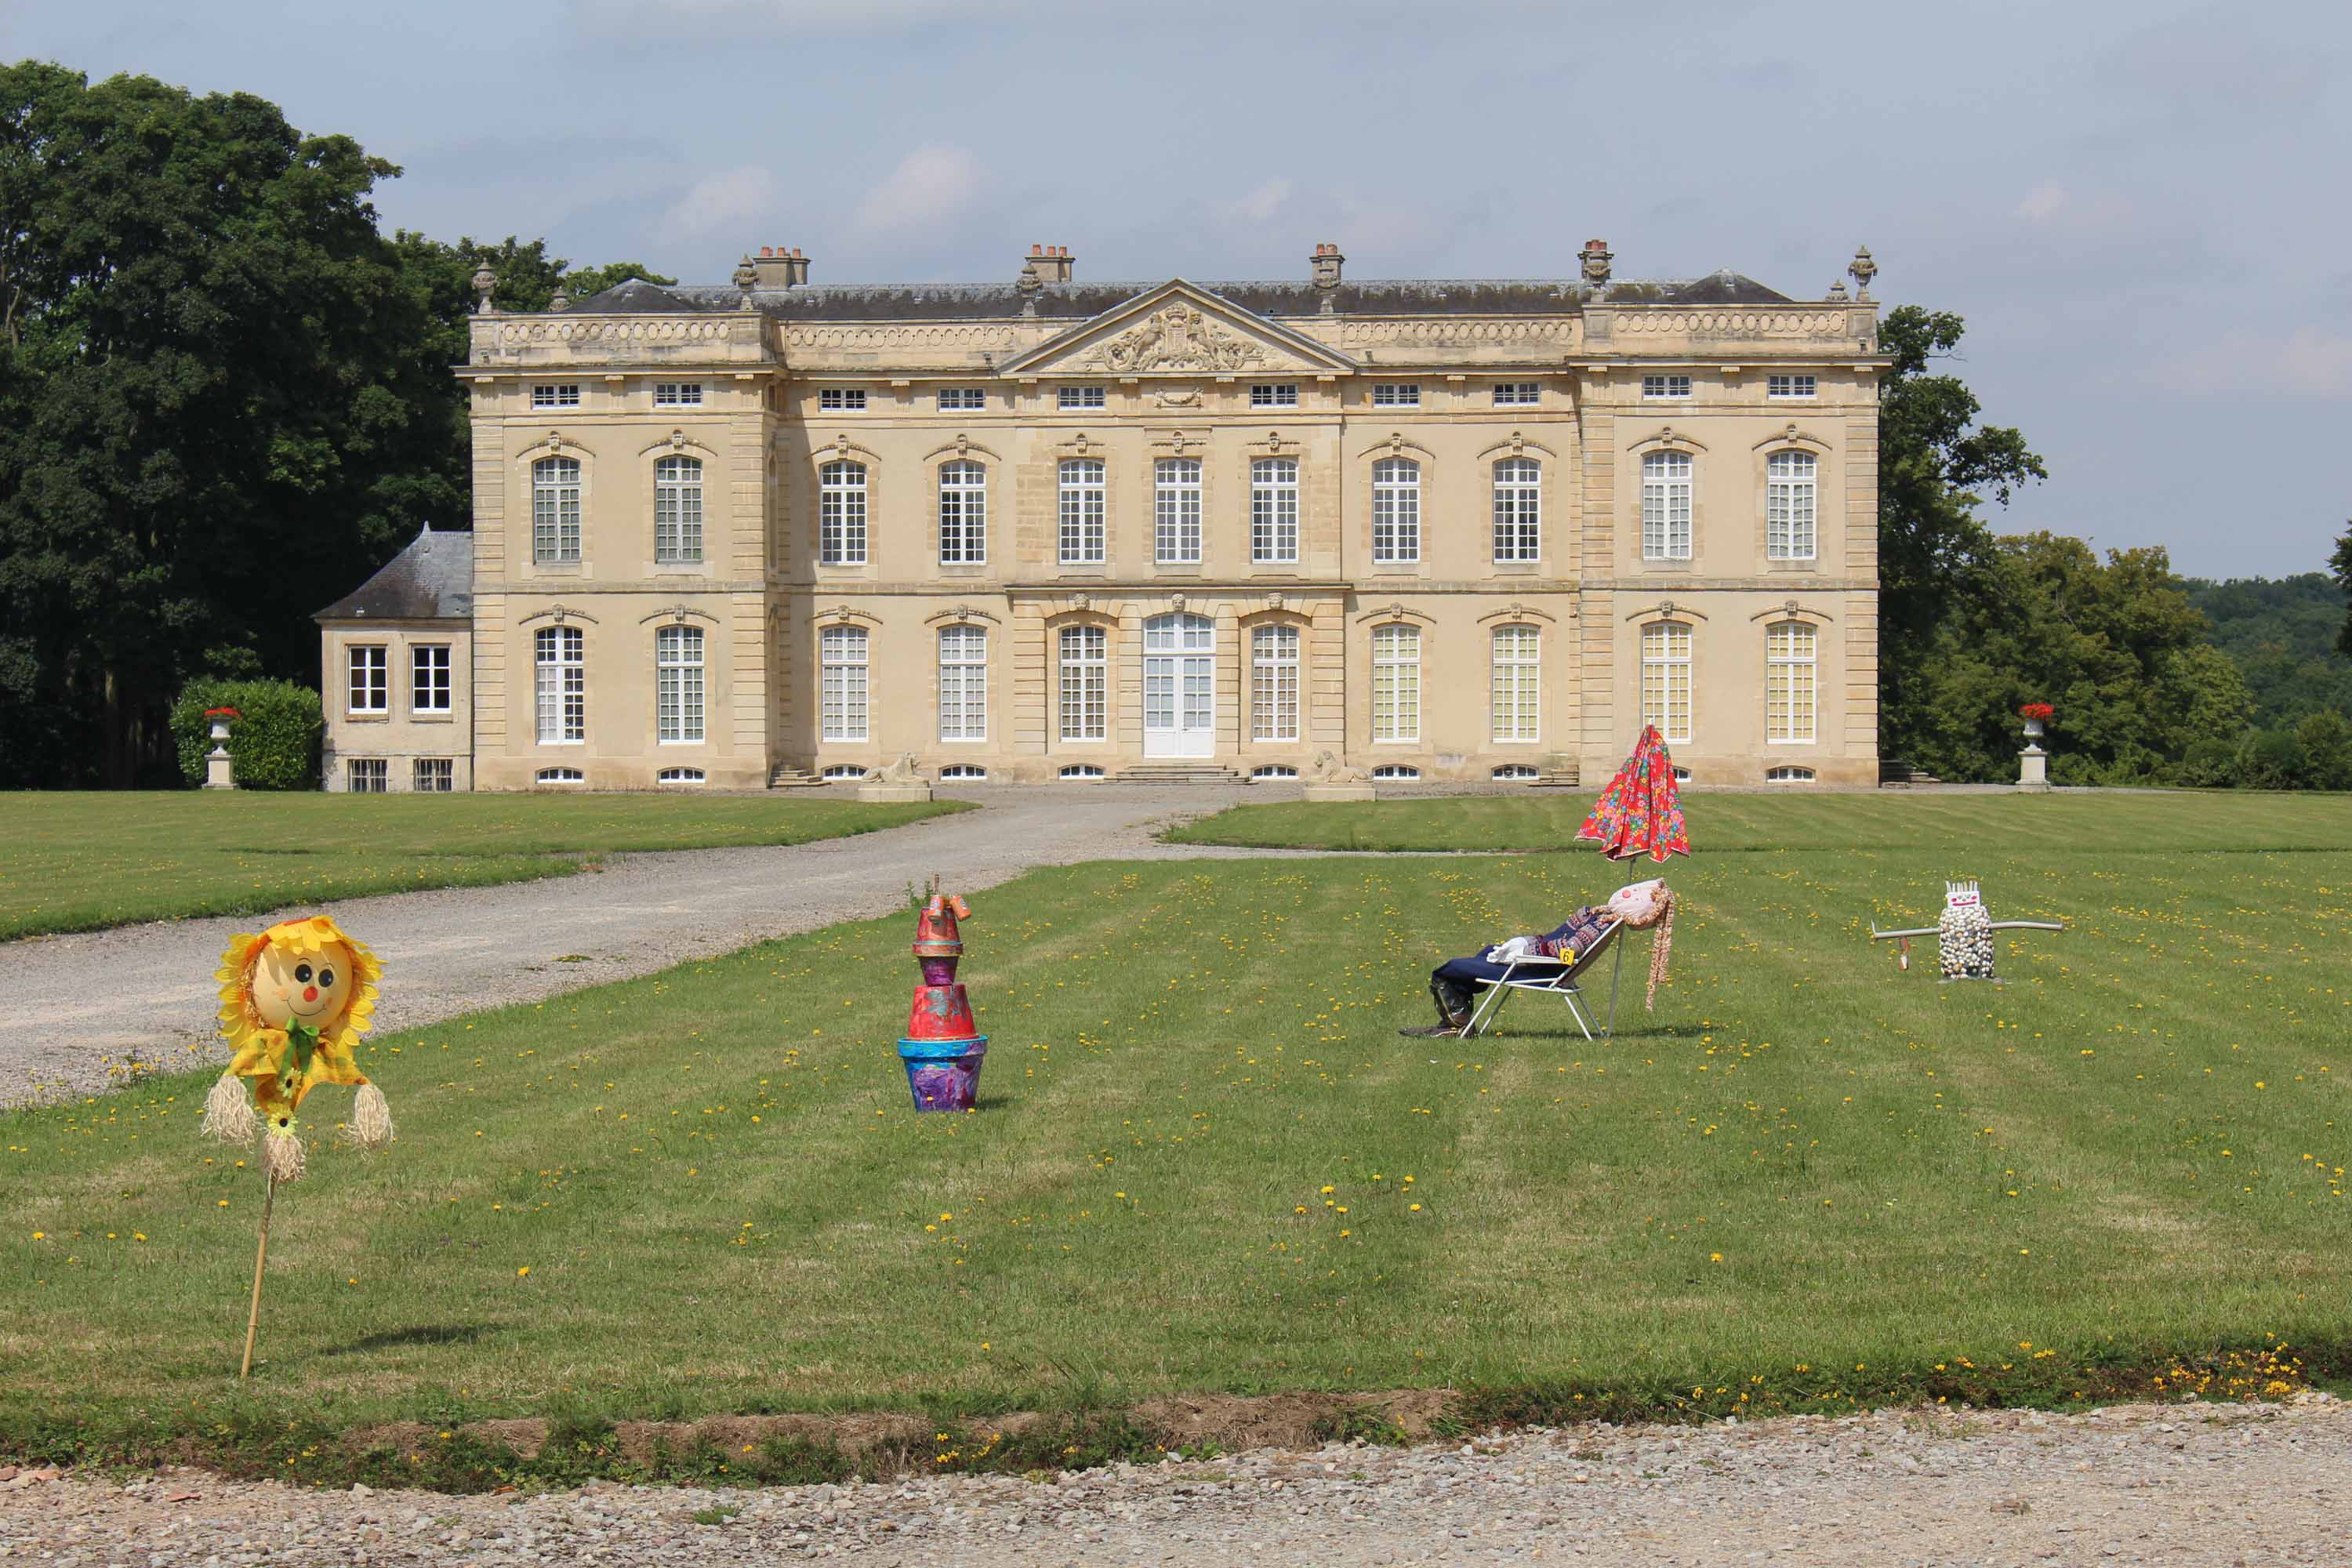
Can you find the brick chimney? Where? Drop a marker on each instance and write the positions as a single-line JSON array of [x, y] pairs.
[[779, 268], [1052, 261]]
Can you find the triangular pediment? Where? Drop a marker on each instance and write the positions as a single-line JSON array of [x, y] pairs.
[[1178, 330]]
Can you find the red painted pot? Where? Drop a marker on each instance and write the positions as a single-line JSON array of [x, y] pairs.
[[940, 1013], [936, 935]]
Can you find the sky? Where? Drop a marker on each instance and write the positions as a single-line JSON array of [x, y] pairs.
[[2139, 206]]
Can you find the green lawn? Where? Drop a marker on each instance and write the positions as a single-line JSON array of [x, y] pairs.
[[1206, 1161], [78, 860]]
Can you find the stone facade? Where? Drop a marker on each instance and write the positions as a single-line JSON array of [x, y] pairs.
[[1444, 530]]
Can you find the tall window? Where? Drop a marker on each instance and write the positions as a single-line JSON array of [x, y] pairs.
[[678, 512], [1396, 683], [555, 509], [1085, 682], [1176, 511], [1274, 683], [1788, 486], [370, 678], [1667, 679], [1667, 506], [562, 685], [1519, 520], [1518, 673], [1082, 511], [841, 676], [963, 514], [963, 683], [428, 677], [1396, 510], [677, 683], [1788, 682], [1273, 510], [841, 515]]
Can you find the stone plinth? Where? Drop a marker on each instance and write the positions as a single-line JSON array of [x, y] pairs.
[[2033, 769], [1336, 792], [894, 793], [218, 773]]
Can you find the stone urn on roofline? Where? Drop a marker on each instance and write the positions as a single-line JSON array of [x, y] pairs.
[[2034, 762]]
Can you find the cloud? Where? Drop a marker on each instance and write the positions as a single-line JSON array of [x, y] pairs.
[[933, 187], [730, 198], [1260, 204], [2306, 361]]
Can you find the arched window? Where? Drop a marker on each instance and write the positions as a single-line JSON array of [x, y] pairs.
[[969, 772], [1274, 683], [678, 512], [1517, 678], [1081, 772], [559, 776], [841, 683], [1788, 491], [1086, 670], [1666, 506], [1397, 772], [1267, 773], [1273, 510], [963, 513], [562, 659], [843, 772], [1787, 775], [1176, 511], [1396, 682], [963, 683], [1788, 670], [679, 776], [555, 509], [1518, 524], [1396, 510], [1515, 773], [841, 515], [1082, 511], [677, 684], [1667, 679]]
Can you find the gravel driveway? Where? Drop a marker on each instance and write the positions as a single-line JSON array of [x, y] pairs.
[[2178, 1485]]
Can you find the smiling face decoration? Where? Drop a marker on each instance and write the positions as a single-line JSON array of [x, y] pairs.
[[294, 1001]]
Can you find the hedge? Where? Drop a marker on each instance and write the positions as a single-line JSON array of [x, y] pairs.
[[274, 744]]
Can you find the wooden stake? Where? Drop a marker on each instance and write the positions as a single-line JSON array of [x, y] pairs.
[[253, 1319]]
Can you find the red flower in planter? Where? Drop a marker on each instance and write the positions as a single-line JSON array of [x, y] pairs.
[[223, 714], [2037, 711]]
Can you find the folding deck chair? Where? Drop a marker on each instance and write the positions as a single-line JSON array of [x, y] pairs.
[[1553, 977]]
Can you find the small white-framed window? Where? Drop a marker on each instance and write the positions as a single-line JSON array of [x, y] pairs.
[[951, 397], [963, 513], [1396, 511], [559, 776], [1082, 536], [1517, 394], [1086, 682], [1789, 683], [1078, 397], [1396, 683], [367, 775], [1396, 395], [1080, 773], [678, 512], [432, 775], [1666, 506], [555, 511], [969, 772], [678, 685], [1682, 775], [555, 395], [1655, 388], [1519, 510], [1396, 773], [428, 677], [680, 776], [1518, 682], [1787, 775], [1667, 679], [560, 665], [843, 772], [841, 683], [1274, 510], [1789, 486], [677, 395], [841, 513], [963, 683], [1268, 773], [1273, 395], [370, 680], [1515, 773], [1176, 512], [1274, 682], [841, 399], [1789, 386]]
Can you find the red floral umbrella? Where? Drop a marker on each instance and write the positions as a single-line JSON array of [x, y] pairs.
[[1639, 813]]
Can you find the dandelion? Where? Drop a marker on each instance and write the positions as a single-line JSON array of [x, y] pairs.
[[520, 1272]]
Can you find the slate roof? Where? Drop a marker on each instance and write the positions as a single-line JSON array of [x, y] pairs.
[[1083, 302], [432, 579]]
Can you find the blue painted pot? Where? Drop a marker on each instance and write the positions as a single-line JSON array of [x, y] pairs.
[[943, 1074]]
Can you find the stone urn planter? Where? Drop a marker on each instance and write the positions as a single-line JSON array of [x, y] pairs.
[[2034, 762], [219, 773]]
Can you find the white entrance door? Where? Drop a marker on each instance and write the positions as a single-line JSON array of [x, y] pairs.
[[1180, 686]]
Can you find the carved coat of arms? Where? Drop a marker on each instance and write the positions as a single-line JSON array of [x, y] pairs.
[[1175, 338]]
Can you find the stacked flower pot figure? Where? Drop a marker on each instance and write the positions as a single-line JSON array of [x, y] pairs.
[[943, 1050]]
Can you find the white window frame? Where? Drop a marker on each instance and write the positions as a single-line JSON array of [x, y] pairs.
[[1083, 536], [367, 775], [969, 773], [841, 511], [843, 772], [430, 676], [1518, 394], [1791, 683], [1273, 395], [1400, 773], [841, 399], [1176, 512], [1396, 511], [1669, 387], [1514, 773], [1396, 395], [1396, 684], [1791, 388], [1273, 681], [681, 777], [963, 513], [1081, 772], [679, 656], [1792, 506], [1082, 653], [963, 684], [1666, 680], [432, 775], [1666, 506], [555, 511], [559, 776], [368, 689], [1519, 510], [560, 685], [1515, 681], [1271, 772], [843, 660], [1788, 774], [954, 398], [1273, 512], [677, 395], [1072, 397], [678, 512], [555, 395]]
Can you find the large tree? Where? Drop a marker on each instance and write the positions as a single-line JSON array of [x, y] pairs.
[[2339, 566]]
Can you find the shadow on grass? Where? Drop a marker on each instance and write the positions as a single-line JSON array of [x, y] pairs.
[[423, 1334]]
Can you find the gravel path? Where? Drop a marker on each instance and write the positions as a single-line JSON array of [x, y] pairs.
[[77, 1012], [2176, 1485]]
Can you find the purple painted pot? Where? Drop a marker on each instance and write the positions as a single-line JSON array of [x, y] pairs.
[[943, 1074], [938, 971]]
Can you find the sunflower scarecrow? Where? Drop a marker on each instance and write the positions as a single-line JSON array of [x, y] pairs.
[[294, 1000]]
